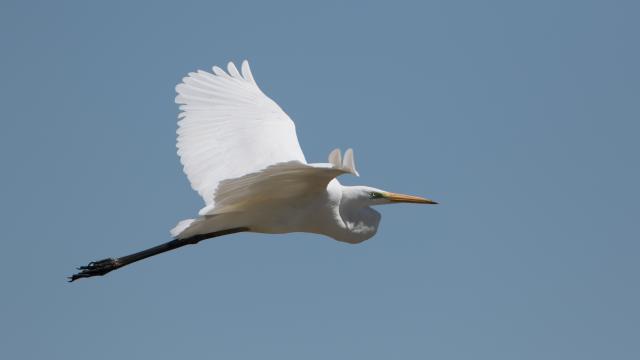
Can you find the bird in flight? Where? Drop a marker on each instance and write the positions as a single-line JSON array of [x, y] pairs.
[[240, 152]]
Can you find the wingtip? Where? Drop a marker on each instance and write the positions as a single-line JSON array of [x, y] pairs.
[[335, 158], [349, 163], [246, 71], [233, 70], [218, 71]]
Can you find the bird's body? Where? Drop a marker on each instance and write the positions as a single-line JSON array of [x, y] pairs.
[[333, 212], [241, 153]]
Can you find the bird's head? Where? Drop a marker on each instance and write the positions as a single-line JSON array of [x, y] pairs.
[[369, 196]]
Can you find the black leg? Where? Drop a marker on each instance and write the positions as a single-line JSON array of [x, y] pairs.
[[102, 267]]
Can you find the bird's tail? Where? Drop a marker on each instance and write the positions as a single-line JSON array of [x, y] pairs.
[[181, 227]]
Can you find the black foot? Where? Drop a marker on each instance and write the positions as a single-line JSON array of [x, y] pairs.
[[95, 268]]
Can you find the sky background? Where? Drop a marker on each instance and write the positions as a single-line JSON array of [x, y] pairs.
[[521, 118]]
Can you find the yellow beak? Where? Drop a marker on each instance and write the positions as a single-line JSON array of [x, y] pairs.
[[408, 199]]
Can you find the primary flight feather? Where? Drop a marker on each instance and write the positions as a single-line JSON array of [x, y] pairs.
[[240, 152]]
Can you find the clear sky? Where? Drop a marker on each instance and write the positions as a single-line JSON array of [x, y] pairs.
[[521, 118]]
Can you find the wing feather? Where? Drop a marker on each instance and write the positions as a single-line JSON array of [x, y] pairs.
[[246, 72], [279, 182], [233, 70], [229, 128]]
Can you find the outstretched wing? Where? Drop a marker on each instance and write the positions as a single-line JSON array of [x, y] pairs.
[[279, 183], [229, 128]]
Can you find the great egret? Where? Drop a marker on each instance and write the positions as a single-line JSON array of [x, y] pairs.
[[241, 154]]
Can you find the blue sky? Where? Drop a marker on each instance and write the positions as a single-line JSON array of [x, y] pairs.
[[521, 118]]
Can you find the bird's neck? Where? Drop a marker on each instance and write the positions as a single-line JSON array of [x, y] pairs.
[[360, 221]]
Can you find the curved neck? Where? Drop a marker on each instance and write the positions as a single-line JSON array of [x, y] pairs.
[[360, 221]]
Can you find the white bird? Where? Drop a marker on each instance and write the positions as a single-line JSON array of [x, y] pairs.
[[240, 152]]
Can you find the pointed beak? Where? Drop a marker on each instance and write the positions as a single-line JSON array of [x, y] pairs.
[[408, 199]]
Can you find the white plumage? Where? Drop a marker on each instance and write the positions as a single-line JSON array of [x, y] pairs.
[[240, 152], [228, 128]]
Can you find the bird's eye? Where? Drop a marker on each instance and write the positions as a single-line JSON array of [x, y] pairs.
[[374, 195]]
